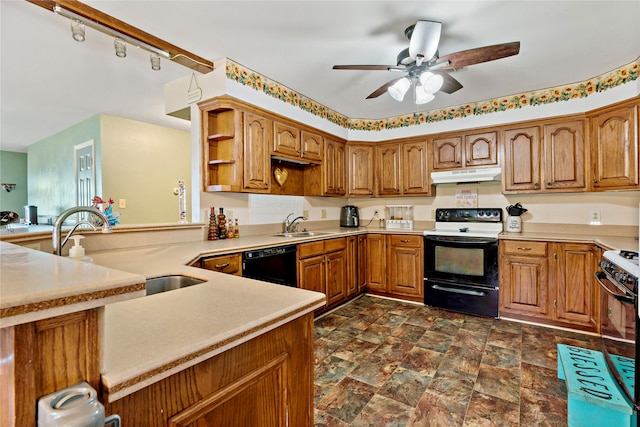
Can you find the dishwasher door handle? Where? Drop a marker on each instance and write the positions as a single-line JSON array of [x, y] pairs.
[[459, 291]]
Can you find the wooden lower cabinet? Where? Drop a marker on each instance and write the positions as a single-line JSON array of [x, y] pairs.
[[550, 283], [322, 267], [266, 381], [395, 265], [229, 264], [44, 356]]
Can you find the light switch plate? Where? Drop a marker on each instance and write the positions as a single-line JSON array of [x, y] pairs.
[[122, 203], [323, 213]]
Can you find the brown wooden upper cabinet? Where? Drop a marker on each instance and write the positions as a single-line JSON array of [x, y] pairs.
[[291, 142], [402, 169], [545, 158], [360, 169], [335, 168], [465, 151], [614, 149], [257, 162]]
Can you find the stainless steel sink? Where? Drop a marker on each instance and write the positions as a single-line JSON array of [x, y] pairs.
[[169, 283], [303, 234]]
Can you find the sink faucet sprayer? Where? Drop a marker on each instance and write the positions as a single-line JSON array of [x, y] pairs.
[[57, 227], [291, 226]]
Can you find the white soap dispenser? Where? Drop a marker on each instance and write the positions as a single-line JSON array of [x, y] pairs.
[[77, 251]]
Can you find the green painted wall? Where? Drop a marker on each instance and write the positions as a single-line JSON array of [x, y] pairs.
[[13, 170], [51, 169]]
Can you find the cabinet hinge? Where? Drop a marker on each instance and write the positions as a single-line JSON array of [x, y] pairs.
[[555, 256]]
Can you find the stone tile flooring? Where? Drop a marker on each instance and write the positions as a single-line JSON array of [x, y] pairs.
[[381, 362]]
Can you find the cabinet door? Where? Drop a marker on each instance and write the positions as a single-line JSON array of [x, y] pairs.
[[524, 278], [361, 167], [336, 276], [257, 164], [312, 145], [286, 139], [614, 149], [405, 267], [335, 178], [522, 159], [352, 265], [230, 264], [564, 164], [388, 170], [376, 262], [447, 153], [481, 149], [415, 173], [577, 264], [311, 274], [362, 263]]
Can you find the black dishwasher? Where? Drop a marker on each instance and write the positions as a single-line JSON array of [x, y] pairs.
[[275, 265]]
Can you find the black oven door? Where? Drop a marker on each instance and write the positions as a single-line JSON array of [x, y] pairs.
[[461, 260]]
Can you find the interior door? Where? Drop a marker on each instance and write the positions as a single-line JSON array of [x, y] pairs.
[[84, 155]]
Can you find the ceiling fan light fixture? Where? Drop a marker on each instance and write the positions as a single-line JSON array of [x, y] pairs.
[[431, 83], [422, 97], [399, 89], [77, 30]]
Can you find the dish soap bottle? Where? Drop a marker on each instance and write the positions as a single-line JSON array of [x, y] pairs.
[[77, 251]]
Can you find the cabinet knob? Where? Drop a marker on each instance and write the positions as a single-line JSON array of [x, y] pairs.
[[536, 185], [405, 240], [595, 181], [549, 184]]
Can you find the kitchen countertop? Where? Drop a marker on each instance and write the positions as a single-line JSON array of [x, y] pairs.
[[145, 339]]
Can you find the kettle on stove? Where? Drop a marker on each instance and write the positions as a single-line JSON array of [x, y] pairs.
[[349, 216]]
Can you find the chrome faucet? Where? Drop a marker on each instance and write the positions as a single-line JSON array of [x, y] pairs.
[[57, 227], [291, 226]]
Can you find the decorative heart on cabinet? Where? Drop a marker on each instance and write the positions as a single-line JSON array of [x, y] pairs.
[[281, 176]]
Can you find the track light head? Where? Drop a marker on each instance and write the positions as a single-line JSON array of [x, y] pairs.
[[155, 62], [121, 47], [77, 30]]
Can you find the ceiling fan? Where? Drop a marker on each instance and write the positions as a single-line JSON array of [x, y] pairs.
[[425, 69]]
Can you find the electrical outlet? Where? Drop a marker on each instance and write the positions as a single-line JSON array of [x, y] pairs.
[[323, 213], [305, 213], [122, 203], [433, 214], [595, 217]]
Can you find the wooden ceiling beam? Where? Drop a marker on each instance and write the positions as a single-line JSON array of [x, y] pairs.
[[176, 54]]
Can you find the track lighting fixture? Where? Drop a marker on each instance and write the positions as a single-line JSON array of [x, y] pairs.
[[121, 47], [155, 62], [77, 29]]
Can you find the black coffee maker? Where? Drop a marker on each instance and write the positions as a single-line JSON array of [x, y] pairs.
[[349, 216]]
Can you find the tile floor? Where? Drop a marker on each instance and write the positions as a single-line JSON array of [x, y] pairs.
[[381, 362]]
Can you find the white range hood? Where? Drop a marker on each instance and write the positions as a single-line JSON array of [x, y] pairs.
[[466, 175]]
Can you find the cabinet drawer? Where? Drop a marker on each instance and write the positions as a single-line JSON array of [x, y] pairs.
[[306, 250], [406, 240], [522, 247], [230, 264], [335, 244]]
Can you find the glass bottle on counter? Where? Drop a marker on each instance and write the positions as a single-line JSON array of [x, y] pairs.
[[213, 225], [236, 231], [222, 224]]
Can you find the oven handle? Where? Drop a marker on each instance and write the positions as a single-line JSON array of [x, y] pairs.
[[620, 297], [460, 239], [459, 291]]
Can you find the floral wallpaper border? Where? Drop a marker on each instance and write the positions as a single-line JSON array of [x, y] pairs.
[[611, 79]]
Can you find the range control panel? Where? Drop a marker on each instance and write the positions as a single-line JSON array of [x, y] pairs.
[[469, 215]]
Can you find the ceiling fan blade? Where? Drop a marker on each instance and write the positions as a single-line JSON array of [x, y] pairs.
[[479, 54], [382, 89], [450, 84], [424, 39], [370, 67]]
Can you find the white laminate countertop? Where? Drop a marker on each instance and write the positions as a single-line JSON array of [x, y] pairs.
[[35, 285]]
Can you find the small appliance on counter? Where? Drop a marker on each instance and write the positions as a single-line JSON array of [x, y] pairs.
[[399, 217], [349, 216], [514, 222]]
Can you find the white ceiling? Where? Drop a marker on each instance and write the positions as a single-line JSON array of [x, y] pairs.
[[50, 82]]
